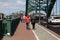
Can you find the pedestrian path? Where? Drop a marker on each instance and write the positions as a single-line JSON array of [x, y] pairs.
[[21, 33]]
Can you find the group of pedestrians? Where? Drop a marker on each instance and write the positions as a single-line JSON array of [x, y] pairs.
[[29, 19]]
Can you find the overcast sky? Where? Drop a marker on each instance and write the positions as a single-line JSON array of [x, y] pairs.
[[56, 8], [9, 6]]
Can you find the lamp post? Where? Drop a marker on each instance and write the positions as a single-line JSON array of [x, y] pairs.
[[47, 14], [56, 7], [39, 11], [26, 8], [40, 1], [35, 7]]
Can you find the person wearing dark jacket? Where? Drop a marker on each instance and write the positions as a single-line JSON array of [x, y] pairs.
[[33, 21]]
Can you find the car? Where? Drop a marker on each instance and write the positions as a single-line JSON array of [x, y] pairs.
[[54, 20]]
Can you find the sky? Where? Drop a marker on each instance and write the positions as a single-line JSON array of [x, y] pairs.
[[9, 6], [56, 8]]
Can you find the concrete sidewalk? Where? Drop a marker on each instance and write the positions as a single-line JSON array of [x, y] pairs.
[[21, 33]]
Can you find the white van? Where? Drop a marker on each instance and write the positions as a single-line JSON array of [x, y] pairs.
[[54, 19]]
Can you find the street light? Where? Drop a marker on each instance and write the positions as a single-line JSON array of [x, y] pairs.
[[47, 13], [40, 1]]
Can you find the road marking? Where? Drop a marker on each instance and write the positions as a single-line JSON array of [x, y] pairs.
[[49, 32], [34, 33]]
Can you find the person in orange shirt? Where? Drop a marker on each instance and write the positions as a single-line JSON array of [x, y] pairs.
[[27, 21]]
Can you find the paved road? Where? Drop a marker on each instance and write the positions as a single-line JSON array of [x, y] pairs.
[[42, 34], [21, 33], [55, 28]]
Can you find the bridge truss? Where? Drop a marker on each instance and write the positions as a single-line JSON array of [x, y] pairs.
[[38, 5]]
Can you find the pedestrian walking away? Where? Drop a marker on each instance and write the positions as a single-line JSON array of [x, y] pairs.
[[27, 21], [33, 21]]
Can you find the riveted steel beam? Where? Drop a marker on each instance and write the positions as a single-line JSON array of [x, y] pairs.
[[34, 5], [26, 7], [50, 7]]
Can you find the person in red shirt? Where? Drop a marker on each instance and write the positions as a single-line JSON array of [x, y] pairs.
[[27, 21]]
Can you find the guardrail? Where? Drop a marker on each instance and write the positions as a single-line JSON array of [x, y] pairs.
[[10, 26], [1, 29]]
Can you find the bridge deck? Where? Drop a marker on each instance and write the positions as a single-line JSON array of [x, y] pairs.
[[21, 33], [41, 33]]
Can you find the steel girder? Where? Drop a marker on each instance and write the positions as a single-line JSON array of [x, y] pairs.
[[26, 8], [31, 6], [50, 7]]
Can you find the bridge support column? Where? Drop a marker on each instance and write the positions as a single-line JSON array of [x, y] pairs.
[[26, 8]]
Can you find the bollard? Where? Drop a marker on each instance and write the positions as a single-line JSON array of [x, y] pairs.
[[4, 26], [11, 26], [8, 27]]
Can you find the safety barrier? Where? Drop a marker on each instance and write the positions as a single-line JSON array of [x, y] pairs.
[[9, 26], [4, 23], [12, 25], [1, 29]]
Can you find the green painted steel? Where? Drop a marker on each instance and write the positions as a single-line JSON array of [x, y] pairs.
[[50, 7], [8, 26], [1, 30], [4, 26], [43, 3], [12, 25]]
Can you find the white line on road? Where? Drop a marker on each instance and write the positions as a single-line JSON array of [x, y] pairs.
[[35, 35], [49, 32]]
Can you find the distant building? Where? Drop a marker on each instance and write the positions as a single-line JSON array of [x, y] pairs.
[[1, 15]]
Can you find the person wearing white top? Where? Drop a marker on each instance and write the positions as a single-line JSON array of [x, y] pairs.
[[24, 18]]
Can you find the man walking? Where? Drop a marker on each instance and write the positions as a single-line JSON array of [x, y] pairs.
[[33, 21]]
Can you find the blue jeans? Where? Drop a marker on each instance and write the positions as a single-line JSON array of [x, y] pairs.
[[27, 25]]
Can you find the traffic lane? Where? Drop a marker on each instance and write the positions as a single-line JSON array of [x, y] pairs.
[[55, 28], [50, 32], [43, 22]]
